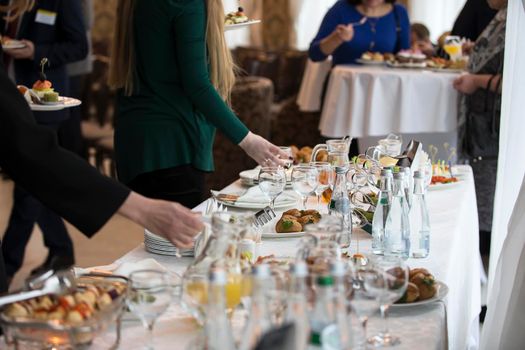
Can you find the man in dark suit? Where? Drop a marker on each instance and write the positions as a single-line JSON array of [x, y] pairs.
[[30, 154], [52, 29]]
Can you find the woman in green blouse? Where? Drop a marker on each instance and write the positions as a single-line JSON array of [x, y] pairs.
[[175, 72]]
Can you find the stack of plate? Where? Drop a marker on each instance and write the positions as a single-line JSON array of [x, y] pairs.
[[159, 245]]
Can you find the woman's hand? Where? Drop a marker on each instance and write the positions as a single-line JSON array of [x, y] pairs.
[[344, 32], [170, 220], [467, 83], [262, 151], [27, 52]]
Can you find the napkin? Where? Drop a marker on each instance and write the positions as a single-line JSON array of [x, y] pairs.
[[125, 269], [254, 195]]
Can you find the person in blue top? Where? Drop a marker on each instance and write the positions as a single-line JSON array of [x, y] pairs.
[[342, 35]]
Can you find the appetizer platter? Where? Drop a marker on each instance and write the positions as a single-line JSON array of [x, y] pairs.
[[70, 319], [422, 289], [375, 58], [42, 97], [292, 223], [11, 44], [238, 19], [438, 64]]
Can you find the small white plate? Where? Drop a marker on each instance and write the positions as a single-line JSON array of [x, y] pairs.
[[63, 102], [229, 27], [370, 62], [442, 291], [446, 70], [438, 187], [268, 231], [407, 65], [13, 44]]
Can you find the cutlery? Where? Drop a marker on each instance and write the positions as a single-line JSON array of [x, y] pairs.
[[264, 216], [359, 23]]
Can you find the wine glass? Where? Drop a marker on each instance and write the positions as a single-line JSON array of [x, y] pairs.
[[394, 284], [305, 180], [364, 301], [453, 47], [288, 162], [151, 293], [272, 181], [325, 179]]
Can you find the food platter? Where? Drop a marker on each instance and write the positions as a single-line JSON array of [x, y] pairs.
[[63, 103], [229, 27], [408, 65], [370, 62], [442, 291], [13, 44]]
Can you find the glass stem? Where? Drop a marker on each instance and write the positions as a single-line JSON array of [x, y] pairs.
[[364, 322], [384, 317], [305, 199], [319, 201], [148, 341], [273, 203]]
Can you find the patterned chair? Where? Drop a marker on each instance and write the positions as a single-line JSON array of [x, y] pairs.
[[251, 100]]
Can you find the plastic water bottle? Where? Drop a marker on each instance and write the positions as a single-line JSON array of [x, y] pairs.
[[218, 333], [408, 186], [381, 213], [323, 313], [419, 220], [338, 270], [340, 205], [397, 229], [297, 311]]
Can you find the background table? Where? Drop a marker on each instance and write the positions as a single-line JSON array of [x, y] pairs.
[[454, 259], [368, 102]]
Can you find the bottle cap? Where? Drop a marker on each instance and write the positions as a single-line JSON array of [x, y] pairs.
[[341, 170], [299, 269], [386, 172], [399, 176], [337, 268], [217, 276], [325, 281]]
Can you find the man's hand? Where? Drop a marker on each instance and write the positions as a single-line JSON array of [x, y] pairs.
[[27, 52]]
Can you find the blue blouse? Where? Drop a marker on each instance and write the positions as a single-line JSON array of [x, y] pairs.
[[378, 34]]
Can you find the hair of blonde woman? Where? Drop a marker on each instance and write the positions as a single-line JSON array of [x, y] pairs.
[[16, 8], [122, 66]]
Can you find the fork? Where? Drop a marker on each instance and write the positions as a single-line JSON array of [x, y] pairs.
[[264, 216], [360, 22]]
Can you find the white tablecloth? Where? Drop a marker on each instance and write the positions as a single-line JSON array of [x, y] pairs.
[[454, 259], [372, 101]]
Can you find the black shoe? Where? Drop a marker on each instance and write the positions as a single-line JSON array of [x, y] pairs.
[[54, 262]]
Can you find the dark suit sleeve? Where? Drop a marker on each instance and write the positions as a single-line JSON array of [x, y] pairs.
[[73, 45], [64, 182]]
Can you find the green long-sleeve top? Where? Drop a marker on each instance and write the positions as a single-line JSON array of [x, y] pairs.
[[170, 118]]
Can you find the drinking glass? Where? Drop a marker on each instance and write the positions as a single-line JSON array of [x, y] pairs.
[[305, 180], [151, 293], [364, 301], [272, 181], [288, 162], [340, 159], [394, 284], [325, 179], [453, 47]]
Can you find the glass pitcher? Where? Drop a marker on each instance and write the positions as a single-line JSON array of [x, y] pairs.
[[221, 251], [334, 145]]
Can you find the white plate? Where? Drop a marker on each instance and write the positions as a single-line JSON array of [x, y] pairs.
[[406, 65], [241, 25], [268, 230], [14, 44], [442, 291], [438, 187], [370, 62], [278, 204], [64, 102], [251, 177]]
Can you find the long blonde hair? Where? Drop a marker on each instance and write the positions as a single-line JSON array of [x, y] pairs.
[[16, 8], [122, 66]]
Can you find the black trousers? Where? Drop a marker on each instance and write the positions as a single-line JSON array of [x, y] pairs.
[[183, 184], [27, 211]]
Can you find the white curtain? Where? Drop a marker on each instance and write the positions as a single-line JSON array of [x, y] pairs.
[[438, 16], [506, 262], [307, 15]]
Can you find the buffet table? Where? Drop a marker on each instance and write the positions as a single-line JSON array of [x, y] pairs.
[[454, 259]]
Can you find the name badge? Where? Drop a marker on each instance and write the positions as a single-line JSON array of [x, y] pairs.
[[46, 17]]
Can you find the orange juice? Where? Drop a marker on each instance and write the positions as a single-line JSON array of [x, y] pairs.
[[198, 291], [453, 49], [327, 195]]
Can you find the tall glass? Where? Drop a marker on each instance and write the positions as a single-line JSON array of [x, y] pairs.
[[288, 162], [151, 293], [453, 47], [395, 280], [272, 181], [305, 180], [325, 179]]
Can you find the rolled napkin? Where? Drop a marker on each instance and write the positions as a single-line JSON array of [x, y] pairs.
[[254, 195], [124, 269]]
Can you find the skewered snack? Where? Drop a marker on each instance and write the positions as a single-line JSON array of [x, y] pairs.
[[294, 220]]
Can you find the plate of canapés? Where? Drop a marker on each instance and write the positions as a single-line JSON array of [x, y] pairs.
[[422, 289], [291, 224], [238, 19]]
